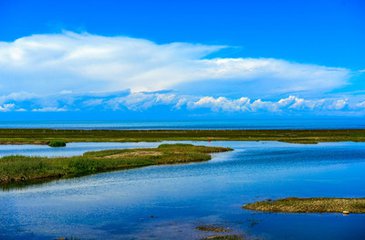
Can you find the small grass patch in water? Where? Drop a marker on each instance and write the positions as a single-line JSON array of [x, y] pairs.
[[212, 228], [310, 205], [224, 237], [57, 143], [218, 229]]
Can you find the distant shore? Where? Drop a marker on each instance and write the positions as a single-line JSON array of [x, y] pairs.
[[45, 136]]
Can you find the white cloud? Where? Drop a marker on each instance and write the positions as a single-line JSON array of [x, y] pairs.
[[7, 107], [141, 101], [339, 104], [361, 105], [70, 62], [69, 72], [93, 102], [17, 96], [49, 109], [221, 103], [289, 104]]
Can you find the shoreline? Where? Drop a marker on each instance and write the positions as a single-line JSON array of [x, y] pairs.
[[44, 136]]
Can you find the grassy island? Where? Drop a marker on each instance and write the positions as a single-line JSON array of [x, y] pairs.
[[15, 170], [55, 143], [224, 237], [44, 136], [218, 229], [310, 205], [212, 228]]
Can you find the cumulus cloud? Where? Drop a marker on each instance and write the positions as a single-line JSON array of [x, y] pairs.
[[361, 105], [288, 104], [221, 103], [71, 62], [17, 96], [75, 72], [7, 107], [141, 101], [49, 109]]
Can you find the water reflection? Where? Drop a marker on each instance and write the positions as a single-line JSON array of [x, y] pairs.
[[168, 202]]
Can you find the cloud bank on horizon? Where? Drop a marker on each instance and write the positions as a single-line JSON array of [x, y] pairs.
[[76, 72]]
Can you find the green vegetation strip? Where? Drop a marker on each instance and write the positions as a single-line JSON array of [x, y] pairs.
[[218, 229], [310, 205], [44, 136], [225, 237], [211, 228], [15, 170], [55, 143]]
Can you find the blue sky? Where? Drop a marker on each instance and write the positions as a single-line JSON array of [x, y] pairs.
[[182, 59]]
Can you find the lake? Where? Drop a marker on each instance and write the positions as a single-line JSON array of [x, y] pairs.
[[168, 202]]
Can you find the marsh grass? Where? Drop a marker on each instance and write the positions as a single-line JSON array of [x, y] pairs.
[[218, 229], [310, 205], [212, 228], [29, 170], [224, 237], [57, 143], [44, 136]]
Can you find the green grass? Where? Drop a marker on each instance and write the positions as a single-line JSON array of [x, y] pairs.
[[224, 237], [44, 136], [57, 143], [218, 229], [212, 228], [310, 205], [15, 170]]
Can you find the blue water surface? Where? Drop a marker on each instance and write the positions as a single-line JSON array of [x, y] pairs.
[[168, 202], [72, 149], [260, 123]]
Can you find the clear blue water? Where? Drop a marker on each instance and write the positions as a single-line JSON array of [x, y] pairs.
[[168, 202], [286, 123], [72, 149]]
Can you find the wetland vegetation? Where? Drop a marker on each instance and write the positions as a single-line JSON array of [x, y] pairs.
[[26, 170], [45, 136], [212, 228], [57, 143], [224, 237], [219, 229], [310, 205]]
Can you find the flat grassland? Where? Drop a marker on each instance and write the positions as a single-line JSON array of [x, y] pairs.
[[21, 170], [45, 136], [310, 205]]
